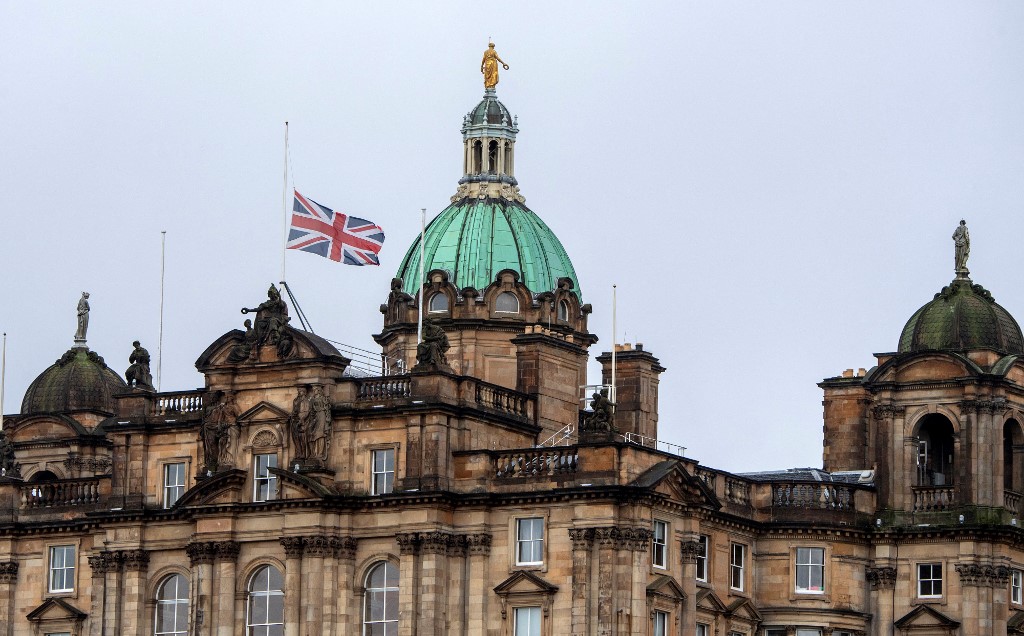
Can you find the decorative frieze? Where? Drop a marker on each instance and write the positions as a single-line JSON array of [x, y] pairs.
[[8, 572], [987, 407], [888, 411], [973, 574], [623, 537], [582, 538], [113, 560], [881, 577], [293, 547], [317, 546]]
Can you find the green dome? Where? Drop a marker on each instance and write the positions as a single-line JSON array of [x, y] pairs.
[[473, 239], [79, 380], [962, 316]]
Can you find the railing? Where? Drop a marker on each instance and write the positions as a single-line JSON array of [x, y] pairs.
[[737, 492], [812, 495], [563, 437], [501, 399], [651, 442], [708, 477], [536, 462], [394, 386], [67, 492], [177, 403], [933, 498], [1011, 501]]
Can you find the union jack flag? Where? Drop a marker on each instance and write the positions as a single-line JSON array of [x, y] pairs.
[[339, 237]]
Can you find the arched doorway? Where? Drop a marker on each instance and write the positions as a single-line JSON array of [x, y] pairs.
[[935, 460]]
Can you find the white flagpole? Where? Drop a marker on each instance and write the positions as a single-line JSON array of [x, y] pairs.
[[423, 233], [284, 202], [614, 334], [160, 341], [3, 379]]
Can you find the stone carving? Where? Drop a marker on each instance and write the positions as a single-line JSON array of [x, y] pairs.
[[478, 543], [463, 190], [9, 466], [310, 425], [293, 547], [226, 550], [689, 551], [246, 348], [104, 562], [881, 577], [297, 422], [317, 545], [9, 572], [138, 373], [430, 353], [888, 411], [962, 245], [218, 432], [72, 353], [624, 537], [983, 575], [113, 560], [343, 547], [135, 560], [83, 319], [489, 66], [272, 323], [582, 538], [408, 542], [264, 439], [201, 552], [599, 420], [511, 192]]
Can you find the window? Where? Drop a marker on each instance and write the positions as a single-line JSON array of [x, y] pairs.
[[1016, 577], [660, 623], [62, 569], [810, 570], [659, 545], [383, 471], [775, 631], [530, 541], [172, 606], [507, 303], [736, 564], [702, 629], [380, 609], [438, 302], [935, 466], [527, 621], [808, 632], [563, 311], [264, 483], [265, 605], [929, 580], [174, 483], [702, 558]]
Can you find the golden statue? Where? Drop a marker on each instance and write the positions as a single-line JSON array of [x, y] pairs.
[[489, 66]]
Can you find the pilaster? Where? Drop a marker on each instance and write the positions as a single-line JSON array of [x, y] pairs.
[[688, 553], [225, 556], [315, 548], [582, 546], [136, 566], [882, 580], [479, 548], [201, 555], [8, 583], [408, 583], [343, 617], [607, 541], [293, 549]]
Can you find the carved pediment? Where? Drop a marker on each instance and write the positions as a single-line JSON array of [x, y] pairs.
[[297, 486], [744, 609], [708, 601], [925, 619], [666, 586], [233, 349], [263, 412], [931, 365], [43, 427], [56, 609], [221, 488], [523, 582], [1016, 623], [670, 478]]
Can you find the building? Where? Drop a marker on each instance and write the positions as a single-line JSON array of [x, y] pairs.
[[467, 490]]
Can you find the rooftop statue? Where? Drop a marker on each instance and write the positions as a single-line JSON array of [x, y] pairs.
[[83, 318], [272, 321], [962, 241], [430, 352], [489, 66], [138, 373]]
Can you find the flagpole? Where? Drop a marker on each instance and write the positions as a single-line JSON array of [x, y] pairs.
[[3, 379], [423, 233], [284, 202], [612, 396], [160, 341]]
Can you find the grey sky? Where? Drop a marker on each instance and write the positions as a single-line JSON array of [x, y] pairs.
[[772, 186]]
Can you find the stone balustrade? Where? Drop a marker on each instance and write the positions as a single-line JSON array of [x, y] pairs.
[[61, 493], [823, 496], [385, 388], [933, 498], [177, 403], [497, 398], [536, 462], [1011, 501]]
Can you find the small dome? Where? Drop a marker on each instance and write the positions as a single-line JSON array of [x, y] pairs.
[[490, 111], [79, 380], [962, 316]]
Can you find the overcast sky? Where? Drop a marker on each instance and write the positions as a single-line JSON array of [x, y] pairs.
[[772, 186]]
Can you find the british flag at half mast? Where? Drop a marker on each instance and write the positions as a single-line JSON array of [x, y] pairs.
[[339, 237]]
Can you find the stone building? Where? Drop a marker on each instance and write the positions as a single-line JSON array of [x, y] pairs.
[[478, 487]]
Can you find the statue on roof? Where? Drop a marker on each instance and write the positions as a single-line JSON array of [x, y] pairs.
[[430, 352], [138, 373], [9, 466], [489, 66], [219, 428], [962, 241], [272, 322], [83, 318], [599, 420]]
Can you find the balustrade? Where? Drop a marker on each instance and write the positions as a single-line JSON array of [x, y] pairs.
[[501, 399], [65, 492], [812, 495], [537, 462], [385, 388], [737, 491], [1011, 501], [178, 403], [933, 498]]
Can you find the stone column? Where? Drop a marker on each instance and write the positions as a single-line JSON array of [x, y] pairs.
[[408, 584], [433, 573], [8, 582], [607, 539], [345, 617], [292, 584], [970, 580], [689, 550], [882, 580], [1000, 598], [485, 151], [200, 555], [639, 544], [989, 457], [582, 545], [965, 455], [225, 557], [456, 614], [316, 548], [479, 548], [112, 593], [136, 564], [98, 565]]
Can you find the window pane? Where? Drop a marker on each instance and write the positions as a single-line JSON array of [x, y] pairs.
[[527, 621]]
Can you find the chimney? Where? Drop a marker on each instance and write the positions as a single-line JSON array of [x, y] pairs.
[[636, 376]]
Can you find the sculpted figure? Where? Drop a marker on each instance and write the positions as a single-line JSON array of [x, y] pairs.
[[9, 467], [138, 373], [271, 319], [962, 242], [319, 426], [430, 352], [489, 66], [600, 420], [298, 422], [83, 317], [218, 431], [243, 350]]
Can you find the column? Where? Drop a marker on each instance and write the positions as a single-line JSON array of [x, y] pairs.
[[485, 152], [343, 587], [200, 555], [582, 544], [458, 586], [479, 548], [225, 557], [315, 549], [98, 565], [292, 584], [408, 583], [136, 564], [640, 544], [607, 539], [1000, 598], [989, 457], [8, 581], [882, 580], [112, 593], [970, 575], [965, 443], [433, 573], [688, 551]]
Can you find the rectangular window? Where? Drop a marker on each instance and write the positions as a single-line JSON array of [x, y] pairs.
[[174, 483], [527, 621], [659, 545], [808, 632], [810, 570], [775, 631], [660, 623], [264, 483], [62, 568], [703, 630], [383, 471], [929, 580], [530, 541], [702, 558], [1016, 583], [737, 561]]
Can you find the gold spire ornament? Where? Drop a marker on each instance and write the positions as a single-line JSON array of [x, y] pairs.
[[489, 66]]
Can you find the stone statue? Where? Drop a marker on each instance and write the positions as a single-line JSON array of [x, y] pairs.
[[318, 430], [272, 322], [9, 467], [218, 432], [243, 350], [83, 318], [138, 373], [430, 352], [489, 66], [600, 419], [962, 241], [298, 422]]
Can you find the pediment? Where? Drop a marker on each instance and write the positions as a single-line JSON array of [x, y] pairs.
[[925, 617], [666, 586], [926, 365], [263, 412], [230, 350], [297, 486], [1015, 625], [524, 582], [222, 488], [671, 479], [56, 609], [44, 427], [743, 608], [708, 601]]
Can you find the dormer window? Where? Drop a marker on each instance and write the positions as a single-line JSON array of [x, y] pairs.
[[563, 311], [438, 302], [506, 303]]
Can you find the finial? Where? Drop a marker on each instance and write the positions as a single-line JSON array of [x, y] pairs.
[[489, 66], [962, 250]]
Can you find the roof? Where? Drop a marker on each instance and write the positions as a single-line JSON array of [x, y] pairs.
[[813, 474], [78, 381], [473, 239], [490, 111]]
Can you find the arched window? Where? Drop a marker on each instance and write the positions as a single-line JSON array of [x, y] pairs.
[[439, 302], [1012, 441], [380, 610], [172, 606], [492, 157], [507, 303], [508, 157], [265, 605], [935, 452], [563, 310], [478, 157]]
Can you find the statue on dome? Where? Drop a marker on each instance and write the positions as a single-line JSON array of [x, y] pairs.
[[83, 318], [489, 66], [138, 373], [962, 241]]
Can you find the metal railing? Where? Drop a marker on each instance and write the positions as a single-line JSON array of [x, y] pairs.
[[650, 442]]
